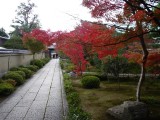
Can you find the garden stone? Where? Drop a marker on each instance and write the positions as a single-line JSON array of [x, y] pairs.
[[72, 74], [130, 110]]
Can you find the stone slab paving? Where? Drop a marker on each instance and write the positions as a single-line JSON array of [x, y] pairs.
[[42, 97]]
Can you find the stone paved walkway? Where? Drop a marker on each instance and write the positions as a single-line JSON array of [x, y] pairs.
[[40, 98]]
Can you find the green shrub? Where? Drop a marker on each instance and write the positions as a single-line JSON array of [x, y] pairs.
[[68, 66], [66, 76], [90, 82], [68, 83], [33, 68], [61, 64], [21, 66], [14, 69], [68, 87], [75, 110], [6, 88], [12, 82], [46, 60], [38, 63], [73, 98], [43, 62], [102, 77], [27, 72], [77, 113], [21, 73], [15, 76]]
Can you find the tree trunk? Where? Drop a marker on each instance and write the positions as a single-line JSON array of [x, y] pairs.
[[142, 76]]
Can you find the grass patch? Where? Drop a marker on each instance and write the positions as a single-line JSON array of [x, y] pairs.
[[97, 101]]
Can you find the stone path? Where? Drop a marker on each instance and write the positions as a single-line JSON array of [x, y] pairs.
[[40, 98]]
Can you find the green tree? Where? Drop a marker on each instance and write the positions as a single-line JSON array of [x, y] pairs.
[[2, 32], [115, 66], [14, 43], [34, 45], [95, 61], [25, 20]]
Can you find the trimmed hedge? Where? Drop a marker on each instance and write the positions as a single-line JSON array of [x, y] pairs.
[[33, 68], [90, 82], [38, 63], [6, 88], [68, 84], [45, 60], [27, 72], [73, 99], [14, 69], [15, 76], [12, 82], [21, 73], [102, 77], [75, 110]]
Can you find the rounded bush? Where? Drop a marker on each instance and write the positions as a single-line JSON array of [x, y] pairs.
[[62, 65], [43, 62], [46, 60], [12, 82], [69, 68], [14, 69], [102, 77], [15, 76], [6, 88], [38, 63], [90, 82], [27, 72], [21, 66], [21, 73], [33, 68]]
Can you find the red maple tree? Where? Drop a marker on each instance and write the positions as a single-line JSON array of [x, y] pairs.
[[138, 19], [129, 23]]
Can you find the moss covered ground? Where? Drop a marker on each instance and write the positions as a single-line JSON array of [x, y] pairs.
[[97, 101]]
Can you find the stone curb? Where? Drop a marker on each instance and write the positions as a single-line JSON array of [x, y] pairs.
[[64, 100]]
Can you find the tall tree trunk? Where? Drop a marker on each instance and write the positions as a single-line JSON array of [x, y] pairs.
[[143, 70], [144, 60]]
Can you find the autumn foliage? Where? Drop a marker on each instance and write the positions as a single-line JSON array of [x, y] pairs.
[[129, 25], [132, 22]]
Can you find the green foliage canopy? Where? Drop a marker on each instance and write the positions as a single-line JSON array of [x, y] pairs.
[[34, 45]]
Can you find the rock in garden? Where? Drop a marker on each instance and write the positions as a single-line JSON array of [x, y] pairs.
[[130, 110]]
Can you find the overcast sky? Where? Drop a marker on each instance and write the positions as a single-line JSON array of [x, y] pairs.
[[52, 13]]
